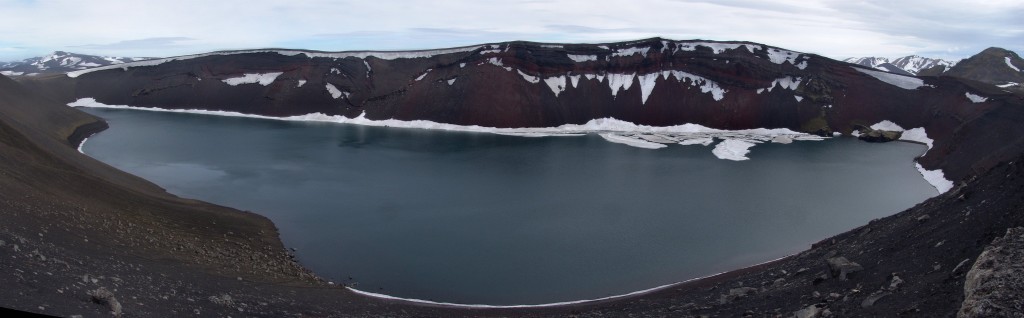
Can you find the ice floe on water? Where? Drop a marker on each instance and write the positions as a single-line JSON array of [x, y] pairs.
[[733, 149], [632, 141], [697, 141]]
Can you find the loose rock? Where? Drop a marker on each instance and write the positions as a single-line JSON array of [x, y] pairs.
[[736, 293], [104, 297], [842, 267]]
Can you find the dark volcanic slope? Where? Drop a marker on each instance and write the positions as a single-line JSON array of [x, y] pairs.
[[729, 85], [993, 65]]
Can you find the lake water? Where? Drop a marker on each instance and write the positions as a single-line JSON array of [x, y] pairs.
[[490, 219]]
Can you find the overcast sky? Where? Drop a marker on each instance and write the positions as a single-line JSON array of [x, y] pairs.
[[838, 29]]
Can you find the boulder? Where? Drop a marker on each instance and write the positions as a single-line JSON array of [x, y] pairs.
[[872, 135], [994, 287], [842, 267], [104, 297]]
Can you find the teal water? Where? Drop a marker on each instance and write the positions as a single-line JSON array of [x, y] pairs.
[[490, 219]]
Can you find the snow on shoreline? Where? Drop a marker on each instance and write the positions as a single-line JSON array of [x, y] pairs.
[[635, 142], [607, 127], [917, 135], [82, 144], [639, 292], [936, 178]]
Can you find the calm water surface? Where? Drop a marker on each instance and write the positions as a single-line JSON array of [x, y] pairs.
[[483, 218]]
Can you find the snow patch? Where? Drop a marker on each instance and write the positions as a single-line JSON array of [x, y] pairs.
[[787, 82], [11, 73], [253, 78], [630, 51], [335, 92], [419, 78], [557, 84], [529, 78], [497, 62], [452, 81], [1008, 63], [582, 58], [887, 126], [975, 98], [647, 82], [917, 135], [778, 56], [368, 68], [936, 178], [575, 80], [617, 81], [732, 149], [706, 85], [904, 82], [798, 98], [301, 82]]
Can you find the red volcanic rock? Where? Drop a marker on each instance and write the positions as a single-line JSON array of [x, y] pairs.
[[727, 85]]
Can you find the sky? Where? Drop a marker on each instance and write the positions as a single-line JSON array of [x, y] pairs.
[[837, 29]]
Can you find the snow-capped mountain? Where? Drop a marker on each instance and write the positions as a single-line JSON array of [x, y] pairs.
[[907, 65], [914, 64], [878, 63], [60, 62]]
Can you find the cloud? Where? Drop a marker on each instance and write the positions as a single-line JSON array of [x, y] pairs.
[[148, 43], [829, 27]]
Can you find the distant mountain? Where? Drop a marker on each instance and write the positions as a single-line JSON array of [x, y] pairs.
[[907, 65], [878, 63], [997, 66], [60, 62], [923, 66]]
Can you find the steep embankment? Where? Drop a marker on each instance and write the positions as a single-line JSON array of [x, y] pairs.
[[72, 225], [727, 85]]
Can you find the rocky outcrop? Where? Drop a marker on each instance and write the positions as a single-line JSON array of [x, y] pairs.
[[874, 135], [994, 287]]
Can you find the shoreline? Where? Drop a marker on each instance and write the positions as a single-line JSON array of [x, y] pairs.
[[697, 280]]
